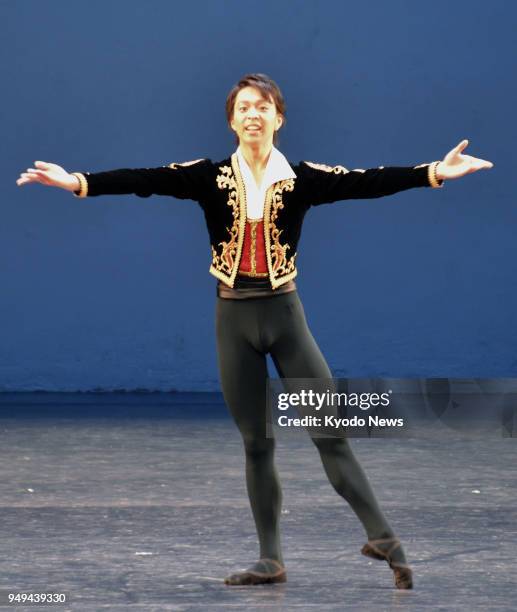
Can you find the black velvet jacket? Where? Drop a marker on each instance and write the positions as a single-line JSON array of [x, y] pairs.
[[219, 189]]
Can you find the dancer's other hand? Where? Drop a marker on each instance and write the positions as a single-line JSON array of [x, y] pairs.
[[49, 174], [455, 164]]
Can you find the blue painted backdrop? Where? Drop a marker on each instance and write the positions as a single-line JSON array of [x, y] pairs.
[[114, 292]]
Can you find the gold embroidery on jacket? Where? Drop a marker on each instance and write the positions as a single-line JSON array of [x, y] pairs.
[[174, 165], [278, 263], [241, 211], [334, 169], [224, 262], [253, 247]]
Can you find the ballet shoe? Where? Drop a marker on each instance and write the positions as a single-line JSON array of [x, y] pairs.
[[259, 573], [402, 574]]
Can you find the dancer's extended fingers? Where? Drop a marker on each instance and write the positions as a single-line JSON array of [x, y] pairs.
[[34, 177], [25, 178], [459, 147], [42, 165], [484, 163], [477, 162]]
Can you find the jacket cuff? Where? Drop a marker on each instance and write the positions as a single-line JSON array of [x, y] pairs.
[[431, 174], [431, 180], [83, 190]]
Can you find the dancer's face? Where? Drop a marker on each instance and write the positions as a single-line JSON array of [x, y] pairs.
[[255, 119]]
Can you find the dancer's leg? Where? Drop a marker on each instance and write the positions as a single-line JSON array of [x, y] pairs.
[[243, 373], [296, 355]]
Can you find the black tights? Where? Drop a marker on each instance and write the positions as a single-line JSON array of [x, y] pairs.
[[246, 331]]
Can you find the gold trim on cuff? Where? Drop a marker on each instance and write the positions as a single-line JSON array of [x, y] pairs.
[[83, 191], [431, 175]]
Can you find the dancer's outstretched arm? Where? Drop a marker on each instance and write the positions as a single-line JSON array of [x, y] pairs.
[[329, 184], [187, 180]]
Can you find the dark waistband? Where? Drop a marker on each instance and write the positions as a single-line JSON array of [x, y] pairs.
[[250, 287]]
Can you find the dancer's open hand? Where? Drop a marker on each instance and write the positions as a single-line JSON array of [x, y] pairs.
[[455, 164], [49, 174]]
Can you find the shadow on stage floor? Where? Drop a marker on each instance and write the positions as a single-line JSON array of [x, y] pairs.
[[138, 502]]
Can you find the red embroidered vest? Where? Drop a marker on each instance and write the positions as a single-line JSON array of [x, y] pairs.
[[253, 260]]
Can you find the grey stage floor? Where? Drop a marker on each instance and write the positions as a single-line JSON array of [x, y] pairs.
[[147, 510]]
